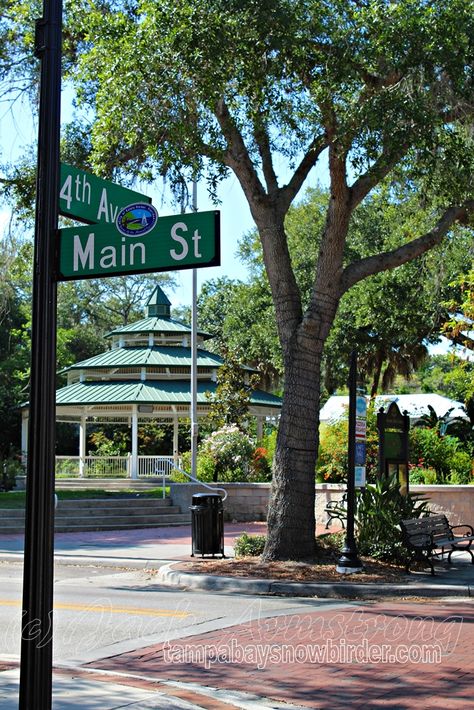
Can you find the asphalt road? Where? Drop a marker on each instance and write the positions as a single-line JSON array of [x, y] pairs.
[[103, 611]]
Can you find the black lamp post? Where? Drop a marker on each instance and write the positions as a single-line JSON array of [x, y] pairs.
[[349, 561], [37, 634]]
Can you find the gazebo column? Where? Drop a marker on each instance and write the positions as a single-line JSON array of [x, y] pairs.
[[259, 427], [175, 439], [24, 437], [82, 445], [134, 461]]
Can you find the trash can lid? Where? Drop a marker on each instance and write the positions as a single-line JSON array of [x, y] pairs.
[[206, 499]]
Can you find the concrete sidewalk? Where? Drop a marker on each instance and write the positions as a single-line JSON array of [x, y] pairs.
[[355, 656], [161, 547], [133, 548]]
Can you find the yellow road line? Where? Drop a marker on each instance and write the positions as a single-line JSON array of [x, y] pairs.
[[134, 611]]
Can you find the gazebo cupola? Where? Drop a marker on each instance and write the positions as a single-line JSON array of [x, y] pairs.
[[158, 305]]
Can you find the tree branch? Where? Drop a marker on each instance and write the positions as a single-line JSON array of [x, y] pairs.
[[309, 160], [263, 143], [360, 270], [461, 339], [237, 157], [377, 172]]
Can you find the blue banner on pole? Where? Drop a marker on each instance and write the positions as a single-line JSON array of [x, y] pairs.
[[360, 453]]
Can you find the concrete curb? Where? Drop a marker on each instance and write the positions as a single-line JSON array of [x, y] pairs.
[[239, 585], [88, 560], [346, 590]]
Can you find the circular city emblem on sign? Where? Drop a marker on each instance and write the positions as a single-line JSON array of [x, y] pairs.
[[136, 220]]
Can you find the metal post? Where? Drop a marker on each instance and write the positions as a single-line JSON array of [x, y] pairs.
[[349, 561], [194, 421], [134, 460], [24, 438], [82, 445], [37, 632]]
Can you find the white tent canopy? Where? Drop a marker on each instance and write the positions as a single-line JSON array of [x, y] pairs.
[[416, 405]]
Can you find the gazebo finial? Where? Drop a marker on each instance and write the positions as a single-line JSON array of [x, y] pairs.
[[158, 304]]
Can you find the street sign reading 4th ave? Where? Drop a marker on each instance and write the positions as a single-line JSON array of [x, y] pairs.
[[140, 242], [90, 199]]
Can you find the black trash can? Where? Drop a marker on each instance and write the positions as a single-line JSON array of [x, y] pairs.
[[207, 524]]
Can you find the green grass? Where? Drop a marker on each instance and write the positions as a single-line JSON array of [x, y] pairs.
[[16, 499]]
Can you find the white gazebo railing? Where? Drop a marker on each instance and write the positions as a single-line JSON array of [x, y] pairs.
[[155, 466], [113, 466]]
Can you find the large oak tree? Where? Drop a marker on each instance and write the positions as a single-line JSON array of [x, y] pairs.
[[269, 89]]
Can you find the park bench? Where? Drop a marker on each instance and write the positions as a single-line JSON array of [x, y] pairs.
[[433, 536], [336, 510]]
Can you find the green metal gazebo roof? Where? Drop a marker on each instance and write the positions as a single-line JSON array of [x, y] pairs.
[[156, 392], [157, 356], [156, 325]]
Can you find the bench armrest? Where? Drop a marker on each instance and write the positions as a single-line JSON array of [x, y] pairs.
[[337, 504], [464, 525]]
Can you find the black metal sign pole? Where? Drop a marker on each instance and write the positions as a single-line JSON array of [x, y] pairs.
[[37, 632], [349, 561]]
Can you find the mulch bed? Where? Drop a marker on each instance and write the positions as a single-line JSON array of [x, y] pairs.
[[374, 570]]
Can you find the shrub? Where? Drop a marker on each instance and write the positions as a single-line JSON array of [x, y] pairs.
[[421, 474], [227, 455], [9, 470], [231, 451], [269, 443], [205, 468], [461, 468], [380, 507], [261, 470], [332, 456], [435, 450], [249, 545]]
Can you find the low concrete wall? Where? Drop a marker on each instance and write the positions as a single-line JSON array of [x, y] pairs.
[[456, 502], [245, 501], [249, 501]]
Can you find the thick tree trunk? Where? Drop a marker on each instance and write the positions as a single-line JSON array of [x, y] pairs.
[[291, 518]]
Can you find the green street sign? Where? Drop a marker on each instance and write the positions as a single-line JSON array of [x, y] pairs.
[[139, 242], [90, 199]]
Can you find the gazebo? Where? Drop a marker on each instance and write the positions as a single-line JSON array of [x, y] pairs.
[[144, 375]]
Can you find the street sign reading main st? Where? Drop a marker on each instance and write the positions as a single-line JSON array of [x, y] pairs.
[[90, 199], [139, 242]]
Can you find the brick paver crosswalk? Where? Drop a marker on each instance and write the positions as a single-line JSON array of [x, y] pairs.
[[371, 655]]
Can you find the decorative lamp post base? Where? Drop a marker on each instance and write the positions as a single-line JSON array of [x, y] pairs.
[[348, 562]]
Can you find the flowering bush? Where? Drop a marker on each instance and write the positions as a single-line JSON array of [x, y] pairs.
[[231, 451], [228, 454], [260, 468], [420, 473], [442, 453]]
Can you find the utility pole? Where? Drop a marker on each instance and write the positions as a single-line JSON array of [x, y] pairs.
[[194, 419], [37, 617], [349, 561]]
